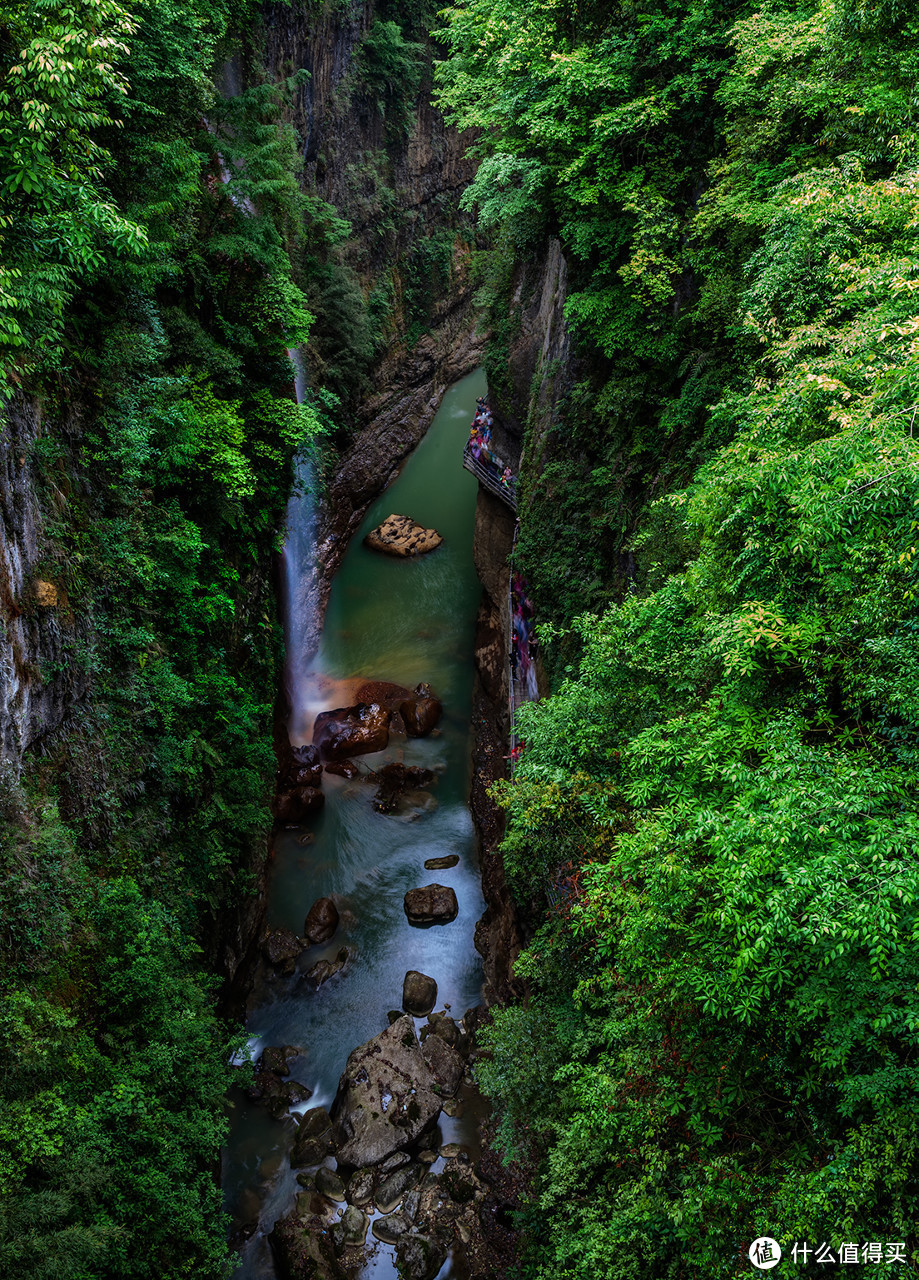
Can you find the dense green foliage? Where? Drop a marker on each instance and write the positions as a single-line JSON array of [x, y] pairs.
[[150, 235], [720, 796]]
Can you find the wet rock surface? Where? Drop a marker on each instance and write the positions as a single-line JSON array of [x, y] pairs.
[[441, 864], [313, 1140], [297, 805], [386, 1097], [401, 536], [352, 731], [323, 970], [395, 781], [321, 921], [280, 947], [421, 714], [419, 993], [431, 904], [298, 766]]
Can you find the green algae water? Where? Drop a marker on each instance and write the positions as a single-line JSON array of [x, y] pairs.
[[403, 621]]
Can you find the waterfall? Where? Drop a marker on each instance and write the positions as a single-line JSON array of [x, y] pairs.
[[301, 587]]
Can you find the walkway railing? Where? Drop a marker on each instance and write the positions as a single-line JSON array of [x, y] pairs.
[[489, 475]]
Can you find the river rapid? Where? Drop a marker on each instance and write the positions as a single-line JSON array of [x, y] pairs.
[[403, 621]]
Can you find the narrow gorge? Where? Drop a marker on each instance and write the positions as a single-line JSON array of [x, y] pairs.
[[459, 639]]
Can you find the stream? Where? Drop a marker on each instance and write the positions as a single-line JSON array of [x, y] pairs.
[[400, 620]]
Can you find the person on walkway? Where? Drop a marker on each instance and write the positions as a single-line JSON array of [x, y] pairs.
[[506, 478]]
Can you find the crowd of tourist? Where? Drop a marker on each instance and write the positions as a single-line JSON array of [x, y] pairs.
[[480, 434], [523, 637]]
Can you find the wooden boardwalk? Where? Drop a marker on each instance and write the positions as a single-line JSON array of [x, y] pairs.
[[488, 475]]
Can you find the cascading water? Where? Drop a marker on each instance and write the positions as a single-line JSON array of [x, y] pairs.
[[301, 586]]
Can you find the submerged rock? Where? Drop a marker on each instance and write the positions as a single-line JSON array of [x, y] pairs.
[[314, 1140], [395, 779], [386, 1097], [384, 692], [401, 536], [322, 970], [352, 731], [297, 805], [321, 921], [431, 904], [419, 993]]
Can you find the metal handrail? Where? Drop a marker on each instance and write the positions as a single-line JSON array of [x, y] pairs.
[[489, 475]]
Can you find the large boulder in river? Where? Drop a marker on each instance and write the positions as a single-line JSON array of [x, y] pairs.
[[431, 904], [386, 1097], [419, 993], [298, 804], [321, 921], [298, 766], [401, 536], [352, 731]]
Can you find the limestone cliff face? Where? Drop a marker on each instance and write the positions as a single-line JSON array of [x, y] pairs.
[[40, 679]]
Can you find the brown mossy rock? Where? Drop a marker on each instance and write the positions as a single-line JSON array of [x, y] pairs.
[[277, 1057], [420, 715], [393, 1188], [431, 904], [321, 921], [419, 994], [441, 864], [280, 948], [314, 1139], [384, 692], [343, 769], [303, 1249], [298, 766], [386, 1097], [352, 731], [419, 1257], [395, 779], [444, 1063], [276, 1094], [401, 536], [323, 970], [297, 805]]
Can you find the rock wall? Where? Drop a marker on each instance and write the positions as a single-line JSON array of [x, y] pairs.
[[540, 368], [40, 679]]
